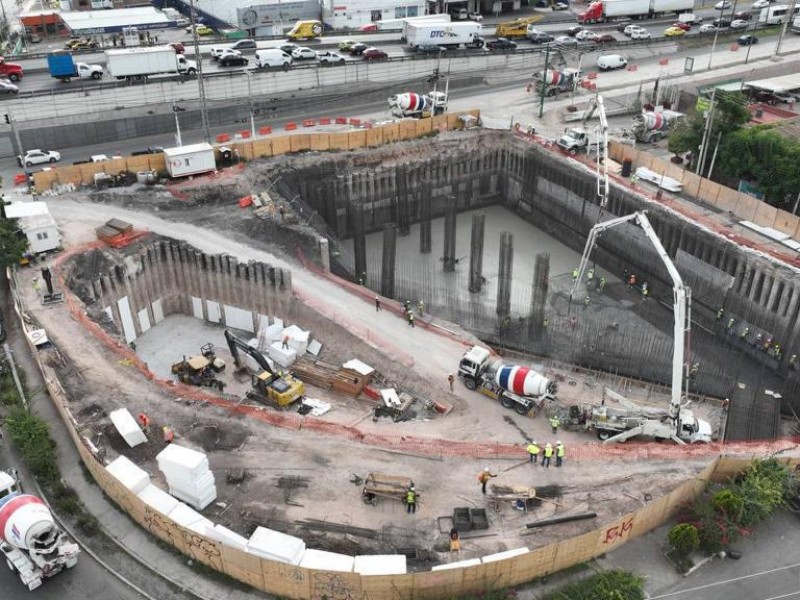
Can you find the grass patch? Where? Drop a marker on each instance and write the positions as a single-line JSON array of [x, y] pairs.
[[606, 585]]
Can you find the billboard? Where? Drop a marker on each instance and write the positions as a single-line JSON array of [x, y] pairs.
[[278, 13]]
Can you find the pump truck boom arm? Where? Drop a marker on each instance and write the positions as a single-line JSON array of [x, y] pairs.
[[597, 105], [235, 344], [680, 300]]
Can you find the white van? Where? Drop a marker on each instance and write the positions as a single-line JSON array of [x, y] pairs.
[[690, 18], [611, 61], [267, 58]]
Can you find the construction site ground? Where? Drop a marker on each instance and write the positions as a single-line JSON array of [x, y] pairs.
[[298, 481]]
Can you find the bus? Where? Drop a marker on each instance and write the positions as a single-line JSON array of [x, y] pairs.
[[774, 15]]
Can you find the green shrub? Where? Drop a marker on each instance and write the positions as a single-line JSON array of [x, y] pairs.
[[684, 538], [606, 585], [29, 433], [729, 503]]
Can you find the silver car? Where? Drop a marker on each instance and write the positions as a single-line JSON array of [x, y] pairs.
[[38, 157], [6, 87]]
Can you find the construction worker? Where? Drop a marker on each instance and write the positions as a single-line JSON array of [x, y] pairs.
[[645, 290], [421, 308], [546, 323], [590, 275], [144, 422], [586, 300], [411, 318], [555, 423], [411, 500], [631, 281], [743, 334], [407, 307], [573, 321], [168, 434], [285, 342], [758, 340], [451, 380], [720, 312], [533, 451], [730, 324], [484, 477], [548, 454], [694, 370], [559, 453], [455, 543], [574, 275], [793, 361], [377, 303], [37, 287], [602, 285]]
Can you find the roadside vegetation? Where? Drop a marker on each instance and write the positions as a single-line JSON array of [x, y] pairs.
[[724, 514]]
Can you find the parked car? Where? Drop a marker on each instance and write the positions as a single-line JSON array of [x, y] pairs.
[[374, 54], [288, 48], [303, 53], [182, 22], [640, 34], [722, 5], [739, 24], [330, 58], [565, 40], [722, 23], [501, 44], [574, 30], [783, 97], [346, 45], [201, 29], [540, 38], [229, 59], [586, 36], [606, 38], [747, 40], [608, 62], [560, 6], [759, 4], [358, 49], [38, 157], [673, 32], [684, 26], [708, 28], [475, 16], [6, 87], [629, 29], [78, 44]]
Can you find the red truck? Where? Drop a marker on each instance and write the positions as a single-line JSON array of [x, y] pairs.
[[11, 70]]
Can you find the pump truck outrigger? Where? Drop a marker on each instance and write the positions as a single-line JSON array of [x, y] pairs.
[[680, 424], [279, 391]]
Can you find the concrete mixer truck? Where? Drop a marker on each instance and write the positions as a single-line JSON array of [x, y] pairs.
[[557, 82], [516, 387], [418, 105], [33, 545], [650, 127]]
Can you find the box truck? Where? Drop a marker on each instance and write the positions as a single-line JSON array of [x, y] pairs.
[[61, 65], [141, 62], [190, 160], [447, 35]]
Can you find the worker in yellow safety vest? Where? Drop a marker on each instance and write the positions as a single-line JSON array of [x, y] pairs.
[[411, 500], [548, 454], [555, 423], [559, 453], [533, 451]]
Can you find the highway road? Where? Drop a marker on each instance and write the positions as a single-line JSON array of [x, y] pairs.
[[37, 81]]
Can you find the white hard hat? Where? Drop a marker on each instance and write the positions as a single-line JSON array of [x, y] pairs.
[[486, 469], [558, 442], [533, 442]]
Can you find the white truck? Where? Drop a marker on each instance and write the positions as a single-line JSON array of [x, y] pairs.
[[606, 10], [445, 35], [513, 386], [190, 160], [555, 82], [418, 105], [574, 140], [33, 545], [650, 127], [144, 61]]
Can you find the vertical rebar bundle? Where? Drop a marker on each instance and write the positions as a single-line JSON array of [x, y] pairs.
[[539, 289], [505, 273], [449, 258], [389, 260], [476, 253]]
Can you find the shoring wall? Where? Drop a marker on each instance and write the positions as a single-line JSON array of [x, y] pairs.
[[261, 148], [168, 277], [742, 205]]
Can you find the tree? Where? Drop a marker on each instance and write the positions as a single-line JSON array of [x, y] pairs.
[[12, 243]]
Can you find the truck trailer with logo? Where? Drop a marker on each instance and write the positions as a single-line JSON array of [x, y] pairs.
[[445, 35]]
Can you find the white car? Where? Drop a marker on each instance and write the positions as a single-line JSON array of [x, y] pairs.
[[227, 52], [38, 157], [707, 28], [330, 58], [722, 5], [475, 16], [586, 36], [631, 28], [565, 40], [761, 4], [640, 34], [560, 6], [303, 53], [739, 24]]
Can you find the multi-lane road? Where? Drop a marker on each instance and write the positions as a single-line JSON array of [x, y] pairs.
[[37, 80]]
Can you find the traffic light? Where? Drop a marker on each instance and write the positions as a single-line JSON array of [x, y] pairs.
[[8, 120]]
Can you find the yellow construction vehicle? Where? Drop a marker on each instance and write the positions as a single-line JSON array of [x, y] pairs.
[[305, 30], [269, 387], [517, 28]]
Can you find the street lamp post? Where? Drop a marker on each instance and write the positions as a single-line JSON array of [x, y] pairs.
[[249, 75], [176, 109], [750, 45]]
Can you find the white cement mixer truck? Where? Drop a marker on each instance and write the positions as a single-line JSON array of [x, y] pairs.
[[557, 82], [418, 105], [650, 127], [33, 545], [513, 386]]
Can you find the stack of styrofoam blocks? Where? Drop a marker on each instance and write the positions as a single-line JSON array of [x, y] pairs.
[[267, 334], [275, 545], [129, 475], [188, 475]]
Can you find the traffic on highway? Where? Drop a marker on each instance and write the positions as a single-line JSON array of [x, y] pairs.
[[55, 71]]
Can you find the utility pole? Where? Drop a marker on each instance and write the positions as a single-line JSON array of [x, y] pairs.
[[10, 121], [200, 84], [714, 156], [704, 142], [789, 17], [544, 80], [249, 74], [176, 109]]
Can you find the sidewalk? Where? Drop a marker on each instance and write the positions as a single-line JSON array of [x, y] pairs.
[[178, 578]]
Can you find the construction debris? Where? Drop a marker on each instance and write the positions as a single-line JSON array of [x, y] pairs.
[[564, 519]]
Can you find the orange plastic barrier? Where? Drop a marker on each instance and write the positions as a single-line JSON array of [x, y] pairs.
[[265, 130], [592, 86], [633, 68], [245, 202], [244, 133], [20, 179], [663, 62], [734, 47], [354, 121], [325, 121], [309, 122], [592, 75], [341, 120], [368, 125], [223, 137], [291, 126]]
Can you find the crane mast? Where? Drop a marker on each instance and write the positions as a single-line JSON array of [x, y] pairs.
[[681, 300]]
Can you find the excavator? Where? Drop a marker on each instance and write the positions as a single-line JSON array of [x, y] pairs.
[[278, 390]]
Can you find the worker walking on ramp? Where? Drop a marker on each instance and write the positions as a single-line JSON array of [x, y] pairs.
[[484, 478]]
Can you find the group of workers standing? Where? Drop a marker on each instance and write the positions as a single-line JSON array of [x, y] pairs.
[[549, 451]]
